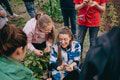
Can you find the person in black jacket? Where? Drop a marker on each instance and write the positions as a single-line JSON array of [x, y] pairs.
[[29, 4], [103, 60], [68, 12]]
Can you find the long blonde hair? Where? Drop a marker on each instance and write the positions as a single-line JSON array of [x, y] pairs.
[[43, 21]]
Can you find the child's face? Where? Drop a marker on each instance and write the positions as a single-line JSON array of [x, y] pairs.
[[47, 29], [64, 40]]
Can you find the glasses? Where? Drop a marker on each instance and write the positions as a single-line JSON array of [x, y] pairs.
[[63, 40]]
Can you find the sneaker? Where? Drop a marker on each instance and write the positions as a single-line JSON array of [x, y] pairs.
[[14, 16]]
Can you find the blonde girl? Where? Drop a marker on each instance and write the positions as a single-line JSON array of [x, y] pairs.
[[40, 32]]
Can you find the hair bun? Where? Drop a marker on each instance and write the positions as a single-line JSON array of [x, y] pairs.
[[38, 15]]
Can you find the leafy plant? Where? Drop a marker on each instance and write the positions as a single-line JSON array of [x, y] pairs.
[[38, 65], [52, 8], [110, 17]]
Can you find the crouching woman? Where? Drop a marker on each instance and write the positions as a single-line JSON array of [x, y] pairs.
[[65, 57], [13, 50]]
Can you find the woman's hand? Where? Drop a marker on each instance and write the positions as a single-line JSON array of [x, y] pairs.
[[69, 68], [85, 1], [93, 3], [38, 52], [62, 67], [47, 49]]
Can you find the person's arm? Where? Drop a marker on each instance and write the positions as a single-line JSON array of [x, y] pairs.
[[77, 54], [31, 47], [101, 7], [2, 12], [53, 57], [80, 6]]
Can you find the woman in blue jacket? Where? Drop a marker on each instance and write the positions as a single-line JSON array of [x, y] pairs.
[[65, 57]]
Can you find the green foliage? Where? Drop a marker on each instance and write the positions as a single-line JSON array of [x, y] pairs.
[[52, 9], [20, 22], [37, 64], [110, 17]]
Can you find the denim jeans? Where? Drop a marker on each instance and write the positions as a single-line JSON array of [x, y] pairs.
[[93, 31], [7, 5], [30, 8], [70, 14]]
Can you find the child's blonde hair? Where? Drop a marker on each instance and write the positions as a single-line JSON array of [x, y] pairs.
[[43, 21]]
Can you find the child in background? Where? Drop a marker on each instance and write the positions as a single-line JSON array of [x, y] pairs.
[[13, 43], [65, 57], [40, 32]]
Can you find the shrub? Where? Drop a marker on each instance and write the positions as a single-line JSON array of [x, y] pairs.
[[38, 65], [109, 18], [51, 8]]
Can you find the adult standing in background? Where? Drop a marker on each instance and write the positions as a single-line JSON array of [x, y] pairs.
[[89, 18], [29, 4], [68, 12], [7, 5]]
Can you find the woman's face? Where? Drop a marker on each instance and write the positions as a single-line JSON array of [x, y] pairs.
[[64, 40]]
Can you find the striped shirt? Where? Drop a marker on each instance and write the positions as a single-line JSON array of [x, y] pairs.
[[68, 56]]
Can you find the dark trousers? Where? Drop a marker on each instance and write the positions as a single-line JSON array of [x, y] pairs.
[[7, 5], [73, 75], [93, 32], [39, 46], [30, 8], [69, 14]]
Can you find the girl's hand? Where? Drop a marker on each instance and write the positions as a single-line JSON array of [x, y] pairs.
[[47, 49], [69, 68], [38, 52], [60, 68]]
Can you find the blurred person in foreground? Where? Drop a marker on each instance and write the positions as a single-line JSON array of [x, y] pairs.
[[13, 43], [103, 60]]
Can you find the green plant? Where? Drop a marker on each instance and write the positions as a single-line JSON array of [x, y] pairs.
[[20, 22], [53, 10], [110, 17], [38, 65]]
